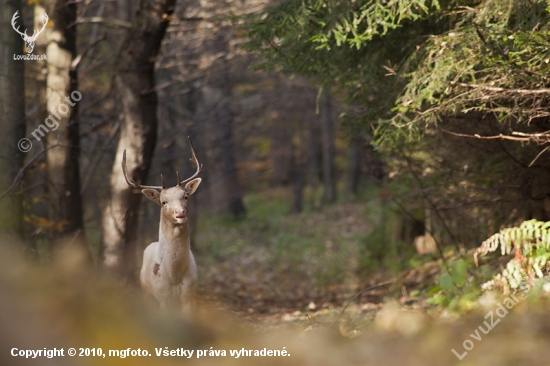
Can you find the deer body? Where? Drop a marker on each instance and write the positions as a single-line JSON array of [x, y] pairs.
[[169, 272], [180, 288]]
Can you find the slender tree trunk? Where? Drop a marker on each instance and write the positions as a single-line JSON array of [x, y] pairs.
[[38, 89], [62, 137], [195, 203], [214, 117], [329, 193], [175, 128], [125, 10], [40, 67], [540, 190], [313, 159], [374, 165], [297, 178], [354, 168], [281, 153], [225, 191], [135, 82], [12, 127]]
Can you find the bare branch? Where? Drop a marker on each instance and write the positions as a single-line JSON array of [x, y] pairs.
[[509, 91], [79, 58], [107, 21], [539, 138]]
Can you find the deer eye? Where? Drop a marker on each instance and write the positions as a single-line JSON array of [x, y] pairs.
[[163, 203]]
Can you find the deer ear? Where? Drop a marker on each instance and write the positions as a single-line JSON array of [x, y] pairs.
[[192, 186], [152, 194]]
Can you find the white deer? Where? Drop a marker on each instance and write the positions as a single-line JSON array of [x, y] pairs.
[[29, 41], [169, 271]]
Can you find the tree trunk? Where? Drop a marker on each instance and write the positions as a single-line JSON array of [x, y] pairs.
[[313, 159], [374, 165], [297, 178], [281, 153], [225, 191], [175, 126], [354, 168], [197, 201], [38, 198], [12, 127], [125, 10], [62, 137], [40, 68], [325, 111], [538, 194], [135, 82]]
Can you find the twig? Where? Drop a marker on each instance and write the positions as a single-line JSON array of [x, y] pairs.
[[70, 243], [95, 163], [19, 175], [107, 21], [438, 245], [535, 137], [22, 171], [429, 200], [79, 58], [538, 155], [498, 89], [359, 294]]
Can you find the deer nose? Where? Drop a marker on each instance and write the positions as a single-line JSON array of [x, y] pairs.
[[181, 214]]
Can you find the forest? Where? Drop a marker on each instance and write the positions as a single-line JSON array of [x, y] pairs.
[[354, 182]]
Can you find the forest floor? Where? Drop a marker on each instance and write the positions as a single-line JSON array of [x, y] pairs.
[[276, 281], [277, 269], [295, 273]]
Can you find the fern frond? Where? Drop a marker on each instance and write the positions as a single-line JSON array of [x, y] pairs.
[[530, 243]]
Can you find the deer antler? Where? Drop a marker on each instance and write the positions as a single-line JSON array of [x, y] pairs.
[[36, 33], [131, 182], [13, 19], [24, 34], [194, 160]]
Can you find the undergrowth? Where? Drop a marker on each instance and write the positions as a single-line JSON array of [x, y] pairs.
[[323, 255], [322, 244]]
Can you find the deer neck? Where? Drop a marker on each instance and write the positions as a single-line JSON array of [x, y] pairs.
[[175, 249]]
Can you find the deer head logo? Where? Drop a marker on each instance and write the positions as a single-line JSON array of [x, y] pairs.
[[29, 41]]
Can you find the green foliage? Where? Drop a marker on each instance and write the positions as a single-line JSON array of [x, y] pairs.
[[459, 273], [456, 290], [446, 282], [313, 25], [412, 63], [493, 60], [350, 45], [530, 242]]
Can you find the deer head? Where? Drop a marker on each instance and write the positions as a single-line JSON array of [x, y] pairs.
[[29, 41], [173, 200]]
